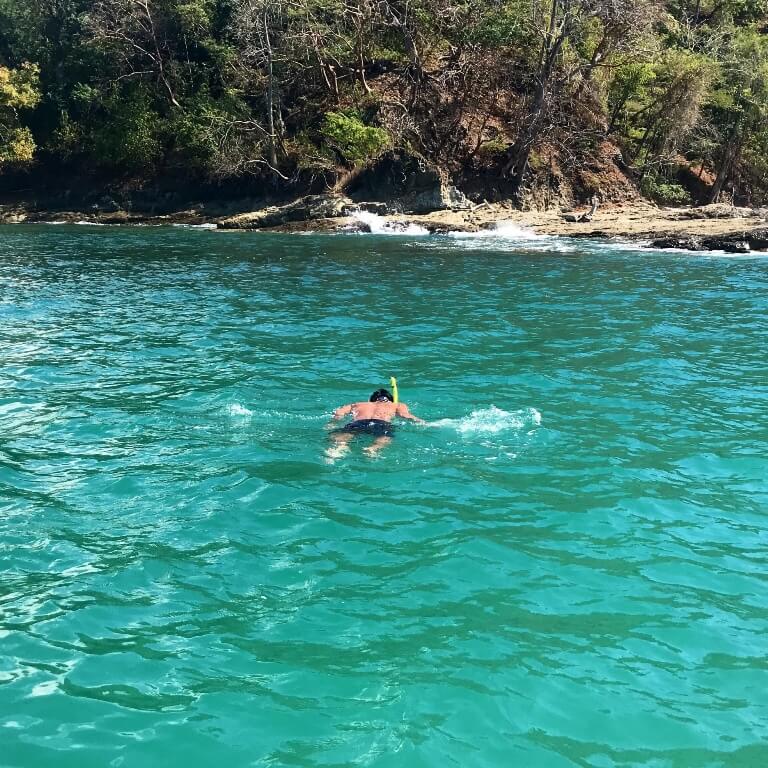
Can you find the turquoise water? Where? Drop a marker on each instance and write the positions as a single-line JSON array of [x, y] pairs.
[[568, 570]]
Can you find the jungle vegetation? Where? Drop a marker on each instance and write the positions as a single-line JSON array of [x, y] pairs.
[[286, 92]]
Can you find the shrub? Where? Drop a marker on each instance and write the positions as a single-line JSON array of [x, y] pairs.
[[19, 89], [17, 146], [128, 137], [355, 141], [493, 148], [663, 191]]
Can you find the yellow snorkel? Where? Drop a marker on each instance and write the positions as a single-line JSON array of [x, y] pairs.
[[393, 384]]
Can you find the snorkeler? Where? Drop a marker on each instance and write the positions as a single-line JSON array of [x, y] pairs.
[[371, 418]]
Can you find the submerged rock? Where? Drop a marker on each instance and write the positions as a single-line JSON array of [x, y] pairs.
[[735, 243], [440, 228], [684, 243], [359, 227], [725, 244], [308, 225]]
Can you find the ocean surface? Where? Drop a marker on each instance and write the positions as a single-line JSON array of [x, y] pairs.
[[568, 567]]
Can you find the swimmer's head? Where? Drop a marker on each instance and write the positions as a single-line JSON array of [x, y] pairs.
[[381, 396]]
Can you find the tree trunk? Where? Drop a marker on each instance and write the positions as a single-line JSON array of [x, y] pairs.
[[615, 114], [729, 154], [359, 28], [144, 5], [270, 95], [647, 141], [521, 149], [600, 52]]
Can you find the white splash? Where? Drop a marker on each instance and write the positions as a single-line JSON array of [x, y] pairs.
[[507, 235], [506, 230], [239, 410], [378, 225], [491, 421]]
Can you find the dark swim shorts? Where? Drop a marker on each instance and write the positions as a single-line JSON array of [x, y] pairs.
[[376, 427]]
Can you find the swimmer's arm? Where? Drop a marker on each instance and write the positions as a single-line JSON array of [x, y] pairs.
[[341, 412], [404, 413]]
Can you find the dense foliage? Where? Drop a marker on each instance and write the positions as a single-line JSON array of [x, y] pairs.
[[293, 90]]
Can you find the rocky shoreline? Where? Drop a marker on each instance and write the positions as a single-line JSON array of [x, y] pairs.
[[707, 228]]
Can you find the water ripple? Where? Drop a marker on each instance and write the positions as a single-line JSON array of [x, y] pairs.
[[565, 570]]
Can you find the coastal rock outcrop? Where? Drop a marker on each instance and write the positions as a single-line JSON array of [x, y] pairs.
[[408, 184], [396, 183], [307, 208], [757, 239], [683, 243], [380, 209], [726, 244], [733, 243], [716, 211], [10, 215]]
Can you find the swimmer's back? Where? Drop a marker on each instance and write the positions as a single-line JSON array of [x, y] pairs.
[[382, 410]]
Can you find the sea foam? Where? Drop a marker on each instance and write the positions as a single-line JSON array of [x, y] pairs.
[[235, 409], [492, 421], [507, 230], [378, 225]]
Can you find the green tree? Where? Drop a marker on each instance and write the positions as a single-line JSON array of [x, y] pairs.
[[19, 90], [740, 103], [354, 140]]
